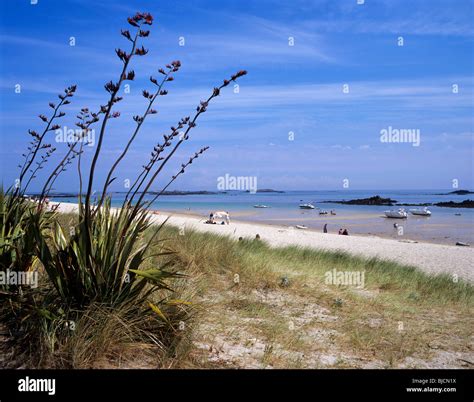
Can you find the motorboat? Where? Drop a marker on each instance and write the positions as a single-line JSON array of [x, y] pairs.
[[400, 214], [260, 206], [421, 211], [307, 206], [301, 227]]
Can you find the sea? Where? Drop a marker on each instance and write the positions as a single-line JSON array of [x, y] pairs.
[[444, 226]]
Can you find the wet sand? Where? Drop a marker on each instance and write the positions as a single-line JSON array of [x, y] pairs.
[[358, 224]]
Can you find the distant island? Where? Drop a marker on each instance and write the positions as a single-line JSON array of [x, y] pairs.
[[375, 200], [58, 195], [445, 204], [452, 204], [405, 204], [177, 192], [457, 192], [266, 190], [172, 192]]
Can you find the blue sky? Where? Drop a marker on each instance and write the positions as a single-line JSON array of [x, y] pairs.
[[296, 89]]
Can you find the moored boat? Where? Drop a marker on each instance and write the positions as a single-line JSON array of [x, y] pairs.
[[260, 206], [307, 206], [421, 211], [400, 214]]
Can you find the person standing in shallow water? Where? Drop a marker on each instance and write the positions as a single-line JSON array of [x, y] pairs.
[[325, 228]]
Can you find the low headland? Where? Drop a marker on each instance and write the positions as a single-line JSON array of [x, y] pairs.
[[377, 200]]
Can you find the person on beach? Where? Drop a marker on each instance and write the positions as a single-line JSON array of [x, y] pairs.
[[211, 220], [325, 228], [340, 231], [220, 215], [345, 232]]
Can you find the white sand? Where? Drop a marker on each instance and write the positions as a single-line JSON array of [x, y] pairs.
[[431, 258]]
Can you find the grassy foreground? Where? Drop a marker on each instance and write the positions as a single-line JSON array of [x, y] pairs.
[[244, 304], [271, 307]]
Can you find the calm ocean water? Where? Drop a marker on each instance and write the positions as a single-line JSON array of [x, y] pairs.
[[442, 227]]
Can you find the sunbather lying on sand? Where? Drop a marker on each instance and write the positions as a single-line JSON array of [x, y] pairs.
[[220, 215]]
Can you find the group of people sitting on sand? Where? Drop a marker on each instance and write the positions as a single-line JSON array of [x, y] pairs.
[[322, 212], [341, 231], [218, 215]]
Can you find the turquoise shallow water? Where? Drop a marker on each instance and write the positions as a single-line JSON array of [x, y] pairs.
[[442, 227]]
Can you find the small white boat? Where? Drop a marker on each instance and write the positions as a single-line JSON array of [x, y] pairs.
[[260, 206], [307, 206], [461, 243], [400, 214], [421, 211], [301, 227]]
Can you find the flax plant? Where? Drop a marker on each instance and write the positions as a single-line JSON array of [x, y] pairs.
[[18, 213], [103, 258]]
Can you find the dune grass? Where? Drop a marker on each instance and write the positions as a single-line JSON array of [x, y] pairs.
[[248, 290], [259, 264]]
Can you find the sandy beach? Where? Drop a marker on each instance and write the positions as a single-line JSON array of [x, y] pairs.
[[431, 258]]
